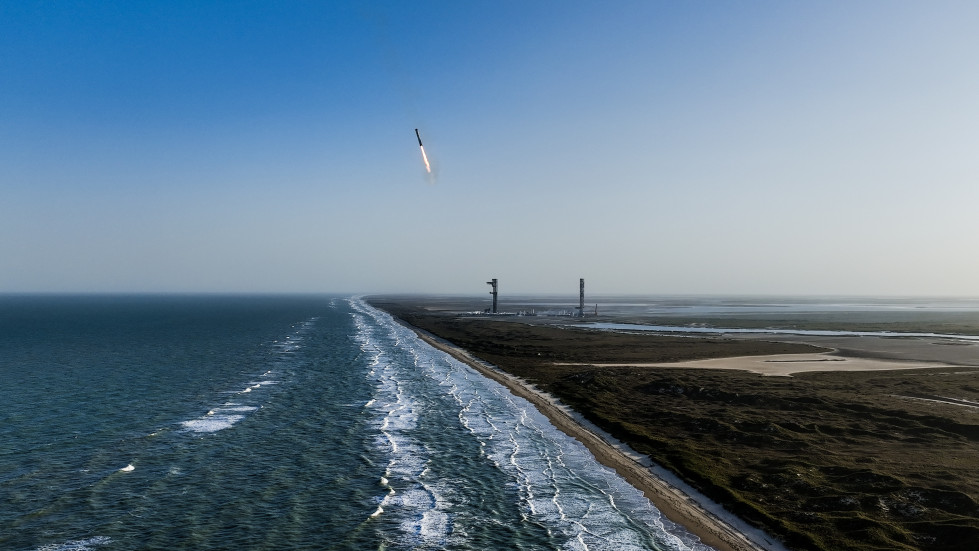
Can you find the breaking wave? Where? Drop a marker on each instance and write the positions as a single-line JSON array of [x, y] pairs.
[[228, 414], [555, 481]]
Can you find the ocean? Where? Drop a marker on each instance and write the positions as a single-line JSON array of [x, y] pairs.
[[289, 422]]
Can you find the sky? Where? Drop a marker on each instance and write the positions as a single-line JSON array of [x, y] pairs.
[[650, 147]]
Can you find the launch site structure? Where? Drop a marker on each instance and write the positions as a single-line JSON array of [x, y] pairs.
[[494, 283]]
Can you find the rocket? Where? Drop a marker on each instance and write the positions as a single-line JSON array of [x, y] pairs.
[[428, 167]]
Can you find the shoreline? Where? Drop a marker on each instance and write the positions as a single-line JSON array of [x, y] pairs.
[[807, 454], [695, 513]]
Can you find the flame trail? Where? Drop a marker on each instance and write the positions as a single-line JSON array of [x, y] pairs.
[[428, 167]]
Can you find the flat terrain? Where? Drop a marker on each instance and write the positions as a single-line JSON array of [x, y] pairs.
[[882, 459]]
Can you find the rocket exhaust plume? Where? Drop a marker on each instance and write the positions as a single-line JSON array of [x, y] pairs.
[[428, 167]]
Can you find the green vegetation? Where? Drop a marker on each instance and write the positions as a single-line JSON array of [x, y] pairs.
[[826, 461]]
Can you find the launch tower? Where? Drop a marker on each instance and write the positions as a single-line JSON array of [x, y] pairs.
[[494, 292]]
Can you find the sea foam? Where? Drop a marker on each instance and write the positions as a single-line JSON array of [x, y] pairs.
[[227, 415], [211, 423], [559, 483], [76, 545]]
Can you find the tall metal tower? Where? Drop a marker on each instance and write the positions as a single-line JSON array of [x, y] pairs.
[[493, 292], [581, 297]]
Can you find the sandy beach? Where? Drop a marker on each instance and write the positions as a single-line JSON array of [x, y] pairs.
[[809, 442], [708, 521]]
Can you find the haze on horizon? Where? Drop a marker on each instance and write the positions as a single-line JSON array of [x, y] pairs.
[[651, 147]]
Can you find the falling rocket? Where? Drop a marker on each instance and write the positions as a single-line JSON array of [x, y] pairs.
[[422, 147]]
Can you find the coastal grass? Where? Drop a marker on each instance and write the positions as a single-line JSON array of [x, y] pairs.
[[825, 461]]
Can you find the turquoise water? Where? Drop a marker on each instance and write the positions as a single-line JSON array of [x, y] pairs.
[[177, 422]]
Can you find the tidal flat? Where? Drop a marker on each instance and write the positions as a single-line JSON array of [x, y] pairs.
[[822, 460]]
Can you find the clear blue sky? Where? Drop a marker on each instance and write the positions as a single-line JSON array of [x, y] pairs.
[[650, 147]]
